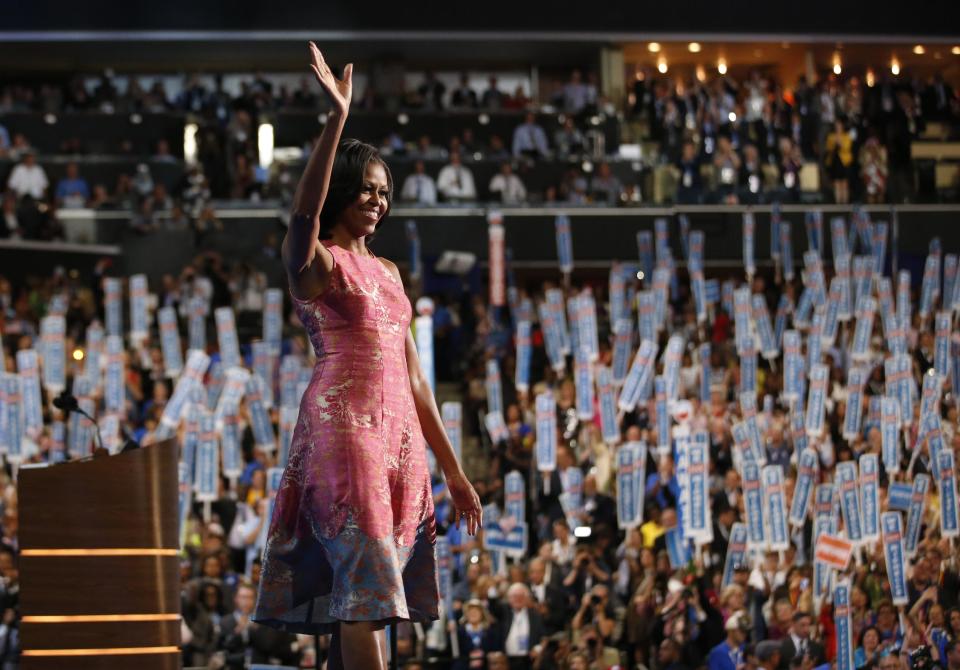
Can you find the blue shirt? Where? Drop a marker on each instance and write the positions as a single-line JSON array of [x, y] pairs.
[[722, 657], [67, 187]]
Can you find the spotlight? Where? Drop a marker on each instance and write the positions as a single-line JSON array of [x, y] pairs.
[[895, 66], [722, 66], [484, 119], [694, 47], [402, 118], [265, 144], [654, 47], [662, 65], [581, 531], [190, 143], [78, 354], [919, 50], [50, 119]]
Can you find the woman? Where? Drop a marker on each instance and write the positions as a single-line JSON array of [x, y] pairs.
[[351, 545], [867, 652], [477, 636], [839, 159]]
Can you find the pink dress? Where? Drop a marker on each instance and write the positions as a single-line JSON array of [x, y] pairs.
[[353, 532]]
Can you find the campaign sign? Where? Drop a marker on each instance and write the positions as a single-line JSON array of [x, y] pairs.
[[639, 377], [753, 503], [819, 378], [899, 495], [792, 366], [645, 251], [288, 422], [571, 498], [821, 570], [587, 326], [879, 246], [852, 420], [524, 356], [761, 320], [512, 543], [631, 466], [227, 337], [807, 473], [609, 427], [496, 427], [918, 498], [673, 357], [170, 342], [736, 552], [949, 526], [493, 387], [112, 307], [207, 475], [53, 353], [742, 313], [890, 434], [678, 548], [546, 416], [749, 229], [230, 445], [273, 319], [564, 243], [903, 296], [930, 287], [898, 372], [698, 286], [748, 371], [661, 278], [838, 237], [698, 466], [663, 416], [813, 222], [28, 367], [775, 507], [192, 375], [583, 384], [114, 391], [552, 338], [866, 308], [514, 497], [451, 411], [139, 325], [11, 421], [843, 624], [259, 418], [895, 556], [941, 349], [622, 345], [870, 496], [846, 476], [197, 310], [646, 308], [784, 308]]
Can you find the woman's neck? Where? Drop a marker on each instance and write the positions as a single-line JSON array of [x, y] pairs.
[[342, 238]]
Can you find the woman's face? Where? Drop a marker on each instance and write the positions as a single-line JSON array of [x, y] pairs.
[[870, 639], [360, 218], [474, 615], [955, 621]]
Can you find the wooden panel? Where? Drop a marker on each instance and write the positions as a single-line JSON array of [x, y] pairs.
[[138, 661], [127, 500], [99, 585], [99, 635], [935, 150]]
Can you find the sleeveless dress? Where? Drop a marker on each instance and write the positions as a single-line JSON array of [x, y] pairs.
[[353, 532]]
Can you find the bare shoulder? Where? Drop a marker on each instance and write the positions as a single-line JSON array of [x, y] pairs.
[[391, 267]]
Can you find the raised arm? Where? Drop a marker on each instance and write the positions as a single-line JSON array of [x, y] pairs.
[[301, 248]]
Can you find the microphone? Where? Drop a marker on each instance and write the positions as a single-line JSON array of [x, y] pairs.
[[67, 402]]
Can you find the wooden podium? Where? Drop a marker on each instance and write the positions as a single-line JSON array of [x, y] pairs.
[[99, 566]]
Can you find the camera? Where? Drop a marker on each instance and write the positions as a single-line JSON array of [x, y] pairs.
[[594, 599], [921, 659]]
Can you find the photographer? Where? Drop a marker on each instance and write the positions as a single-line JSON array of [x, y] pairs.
[[595, 611], [587, 570]]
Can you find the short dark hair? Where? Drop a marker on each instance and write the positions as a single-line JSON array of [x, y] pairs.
[[346, 182]]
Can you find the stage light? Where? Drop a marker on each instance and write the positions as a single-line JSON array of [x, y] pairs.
[[136, 119], [322, 118], [895, 66], [581, 531], [50, 119], [870, 77], [919, 50], [403, 119], [722, 66], [484, 119], [586, 166], [654, 47], [662, 65], [265, 144], [732, 116], [640, 275], [701, 73], [955, 51], [78, 354], [190, 143], [694, 47], [836, 63]]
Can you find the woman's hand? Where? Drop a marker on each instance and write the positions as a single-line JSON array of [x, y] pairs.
[[339, 91], [466, 502]]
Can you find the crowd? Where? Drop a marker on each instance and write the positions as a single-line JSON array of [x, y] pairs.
[[755, 135], [587, 592]]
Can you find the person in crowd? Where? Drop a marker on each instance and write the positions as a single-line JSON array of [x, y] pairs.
[[72, 190], [507, 186], [838, 154], [419, 187], [529, 139], [28, 178], [521, 627], [455, 181]]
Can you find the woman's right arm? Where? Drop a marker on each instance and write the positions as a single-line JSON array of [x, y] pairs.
[[301, 248]]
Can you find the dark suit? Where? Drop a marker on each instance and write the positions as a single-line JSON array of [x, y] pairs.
[[788, 650], [537, 633], [263, 641], [558, 605]]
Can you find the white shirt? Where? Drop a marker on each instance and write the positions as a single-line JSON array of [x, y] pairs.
[[419, 188], [509, 186], [563, 554], [518, 639], [28, 180], [539, 591], [456, 181]]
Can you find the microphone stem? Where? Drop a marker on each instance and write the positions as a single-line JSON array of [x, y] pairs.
[[95, 425]]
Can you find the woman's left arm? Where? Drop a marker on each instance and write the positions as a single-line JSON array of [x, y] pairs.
[[466, 502]]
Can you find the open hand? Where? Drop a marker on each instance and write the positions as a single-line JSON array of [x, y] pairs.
[[339, 91], [466, 502]]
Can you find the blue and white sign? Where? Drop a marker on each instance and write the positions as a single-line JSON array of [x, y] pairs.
[[227, 337], [170, 342], [28, 367], [761, 319], [853, 419], [893, 551], [564, 243], [705, 373], [949, 525], [749, 229], [807, 476], [113, 309], [609, 428], [259, 418], [546, 417], [631, 458], [736, 552], [870, 496], [775, 507], [918, 501], [846, 477], [53, 330], [753, 504], [819, 377], [273, 319], [524, 356], [207, 477], [843, 625], [139, 320], [640, 378]]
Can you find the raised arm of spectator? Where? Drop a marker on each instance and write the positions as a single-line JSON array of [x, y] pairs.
[[300, 245]]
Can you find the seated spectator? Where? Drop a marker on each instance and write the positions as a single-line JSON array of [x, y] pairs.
[[727, 164], [72, 190], [790, 163], [419, 187], [162, 154], [463, 97], [573, 187], [493, 97], [28, 178], [750, 179], [605, 186], [497, 151], [143, 181], [519, 99], [100, 198], [574, 95], [428, 151], [159, 198], [455, 181], [568, 140], [431, 92], [507, 186], [690, 187], [529, 139]]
